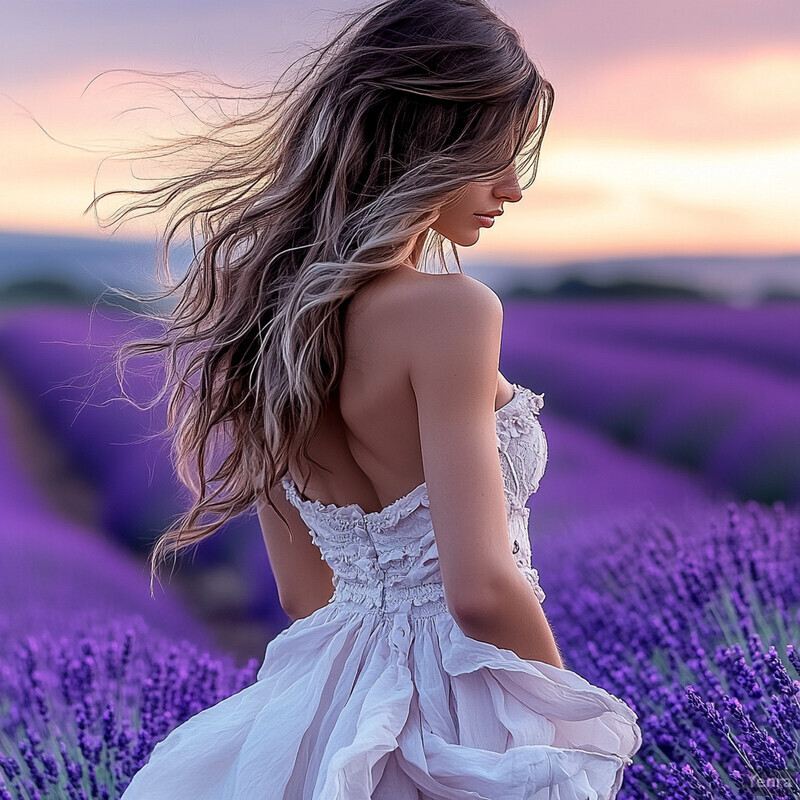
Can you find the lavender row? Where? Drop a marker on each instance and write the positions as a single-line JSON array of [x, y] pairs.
[[735, 422], [592, 481], [52, 568], [80, 713], [60, 360], [696, 626], [766, 335]]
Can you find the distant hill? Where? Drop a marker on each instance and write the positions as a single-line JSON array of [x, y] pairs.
[[739, 280], [580, 289], [76, 269]]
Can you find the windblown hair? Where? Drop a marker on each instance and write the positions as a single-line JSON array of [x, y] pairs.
[[324, 186]]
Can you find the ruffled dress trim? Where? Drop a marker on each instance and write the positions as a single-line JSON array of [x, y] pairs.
[[386, 517], [509, 423]]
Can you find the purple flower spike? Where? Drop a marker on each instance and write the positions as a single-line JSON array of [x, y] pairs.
[[97, 680]]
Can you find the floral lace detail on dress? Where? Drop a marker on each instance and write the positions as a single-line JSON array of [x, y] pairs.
[[522, 445], [512, 424], [532, 576]]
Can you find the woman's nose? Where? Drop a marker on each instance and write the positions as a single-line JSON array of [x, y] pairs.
[[508, 189]]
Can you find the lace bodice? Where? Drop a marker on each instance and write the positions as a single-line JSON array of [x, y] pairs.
[[387, 560]]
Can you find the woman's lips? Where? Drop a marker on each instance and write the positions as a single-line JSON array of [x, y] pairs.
[[486, 222]]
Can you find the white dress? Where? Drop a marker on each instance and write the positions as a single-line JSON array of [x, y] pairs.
[[379, 694]]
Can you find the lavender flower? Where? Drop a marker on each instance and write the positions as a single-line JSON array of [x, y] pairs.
[[109, 692]]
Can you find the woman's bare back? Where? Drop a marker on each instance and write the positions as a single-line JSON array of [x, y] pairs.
[[369, 437]]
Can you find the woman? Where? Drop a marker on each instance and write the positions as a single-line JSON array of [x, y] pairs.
[[325, 364]]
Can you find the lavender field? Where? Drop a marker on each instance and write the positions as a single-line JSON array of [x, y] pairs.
[[712, 388], [665, 533]]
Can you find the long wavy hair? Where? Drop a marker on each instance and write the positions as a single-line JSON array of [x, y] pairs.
[[325, 185]]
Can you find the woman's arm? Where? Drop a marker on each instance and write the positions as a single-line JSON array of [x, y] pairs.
[[516, 623], [303, 579], [454, 340]]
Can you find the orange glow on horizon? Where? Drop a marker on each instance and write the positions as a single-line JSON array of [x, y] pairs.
[[664, 153]]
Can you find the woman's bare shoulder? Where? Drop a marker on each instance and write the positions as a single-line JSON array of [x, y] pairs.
[[421, 311], [456, 289], [428, 299], [455, 306]]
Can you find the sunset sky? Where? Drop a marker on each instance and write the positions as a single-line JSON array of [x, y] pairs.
[[675, 130]]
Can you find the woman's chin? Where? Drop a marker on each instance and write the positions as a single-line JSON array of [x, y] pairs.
[[468, 239]]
